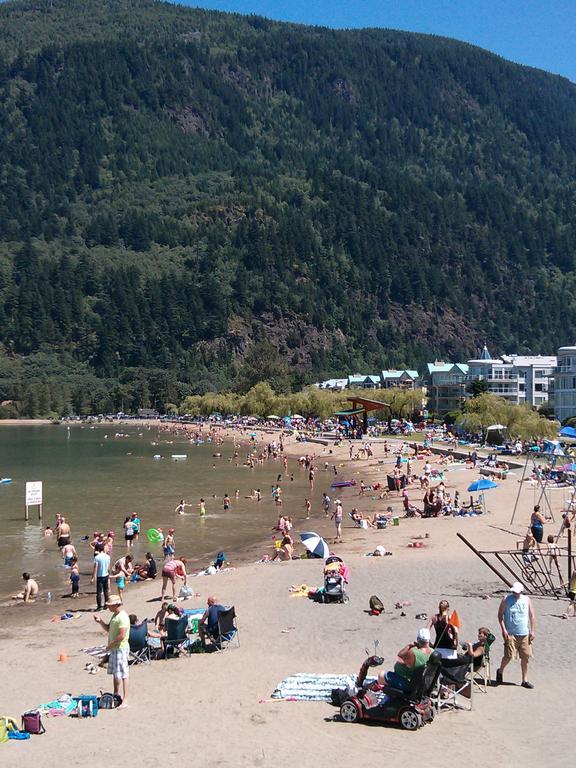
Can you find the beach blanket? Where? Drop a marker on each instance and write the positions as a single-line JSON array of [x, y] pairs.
[[59, 707], [98, 651], [306, 687]]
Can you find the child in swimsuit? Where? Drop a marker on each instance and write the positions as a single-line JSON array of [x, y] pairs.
[[75, 577]]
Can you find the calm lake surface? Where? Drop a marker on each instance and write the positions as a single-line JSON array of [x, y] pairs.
[[95, 480]]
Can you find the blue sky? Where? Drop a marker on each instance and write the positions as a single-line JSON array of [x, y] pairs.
[[540, 33]]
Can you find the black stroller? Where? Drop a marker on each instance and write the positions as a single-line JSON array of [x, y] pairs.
[[334, 580]]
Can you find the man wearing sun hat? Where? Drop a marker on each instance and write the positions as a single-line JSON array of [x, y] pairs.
[[518, 625], [118, 629]]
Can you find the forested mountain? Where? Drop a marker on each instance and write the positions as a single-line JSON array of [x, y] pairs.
[[190, 200]]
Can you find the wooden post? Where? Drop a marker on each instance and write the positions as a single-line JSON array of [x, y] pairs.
[[569, 554], [484, 560], [39, 511], [26, 513]]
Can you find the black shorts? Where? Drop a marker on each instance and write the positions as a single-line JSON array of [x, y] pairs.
[[63, 540], [572, 596], [129, 538]]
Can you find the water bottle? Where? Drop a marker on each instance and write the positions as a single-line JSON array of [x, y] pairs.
[[49, 597]]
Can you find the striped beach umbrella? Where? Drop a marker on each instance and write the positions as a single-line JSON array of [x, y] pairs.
[[315, 544]]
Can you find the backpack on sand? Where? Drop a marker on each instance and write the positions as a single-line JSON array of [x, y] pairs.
[[109, 700], [376, 606]]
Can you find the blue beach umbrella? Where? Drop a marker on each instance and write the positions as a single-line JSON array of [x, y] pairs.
[[568, 432], [315, 544], [483, 484]]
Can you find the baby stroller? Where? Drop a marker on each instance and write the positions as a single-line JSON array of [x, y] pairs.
[[334, 580]]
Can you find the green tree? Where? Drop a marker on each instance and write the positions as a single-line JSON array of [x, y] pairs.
[[263, 363], [478, 387]]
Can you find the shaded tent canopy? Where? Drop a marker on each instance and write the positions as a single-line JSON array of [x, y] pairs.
[[361, 406]]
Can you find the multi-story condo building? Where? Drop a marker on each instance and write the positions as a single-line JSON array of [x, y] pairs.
[[565, 384], [402, 379], [446, 384], [517, 378]]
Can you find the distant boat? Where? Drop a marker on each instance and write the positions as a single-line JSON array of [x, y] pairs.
[[343, 484]]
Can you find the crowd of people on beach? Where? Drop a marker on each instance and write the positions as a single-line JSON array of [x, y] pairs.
[[413, 469]]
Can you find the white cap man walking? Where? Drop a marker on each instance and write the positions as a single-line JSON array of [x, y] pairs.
[[518, 624]]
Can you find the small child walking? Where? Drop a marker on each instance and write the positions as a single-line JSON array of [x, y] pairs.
[[75, 577]]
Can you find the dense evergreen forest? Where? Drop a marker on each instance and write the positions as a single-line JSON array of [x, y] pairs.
[[194, 201]]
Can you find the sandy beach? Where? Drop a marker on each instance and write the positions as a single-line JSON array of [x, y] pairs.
[[210, 707]]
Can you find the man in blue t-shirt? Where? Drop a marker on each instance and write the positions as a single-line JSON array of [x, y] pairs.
[[518, 625], [208, 626], [101, 574]]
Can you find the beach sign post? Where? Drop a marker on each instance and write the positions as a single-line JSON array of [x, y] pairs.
[[33, 497]]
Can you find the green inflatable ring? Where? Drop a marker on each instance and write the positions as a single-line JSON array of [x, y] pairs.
[[154, 536]]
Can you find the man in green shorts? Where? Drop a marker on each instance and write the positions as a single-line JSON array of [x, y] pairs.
[[118, 629]]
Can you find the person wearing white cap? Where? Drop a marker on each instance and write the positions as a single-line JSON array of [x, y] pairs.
[[518, 625], [337, 517], [410, 658], [118, 629]]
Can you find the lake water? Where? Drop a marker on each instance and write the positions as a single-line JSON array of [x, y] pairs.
[[96, 481]]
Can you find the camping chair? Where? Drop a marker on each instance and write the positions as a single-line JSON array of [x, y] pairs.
[[227, 629], [484, 671], [139, 652], [455, 687], [176, 635], [358, 523]]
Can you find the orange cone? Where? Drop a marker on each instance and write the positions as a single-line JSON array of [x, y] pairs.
[[63, 656]]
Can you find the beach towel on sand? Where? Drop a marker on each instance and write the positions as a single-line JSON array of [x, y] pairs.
[[98, 651], [306, 687]]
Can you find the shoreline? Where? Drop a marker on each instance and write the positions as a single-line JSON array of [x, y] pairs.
[[250, 553]]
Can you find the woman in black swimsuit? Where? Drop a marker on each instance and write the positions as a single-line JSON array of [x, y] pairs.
[[446, 640]]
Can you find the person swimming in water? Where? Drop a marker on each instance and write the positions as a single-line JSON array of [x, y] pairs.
[[181, 508], [202, 507]]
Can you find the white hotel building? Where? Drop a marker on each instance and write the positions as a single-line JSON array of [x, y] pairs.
[[565, 384], [517, 378]]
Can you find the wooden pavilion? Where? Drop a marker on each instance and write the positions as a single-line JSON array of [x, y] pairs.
[[361, 407]]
